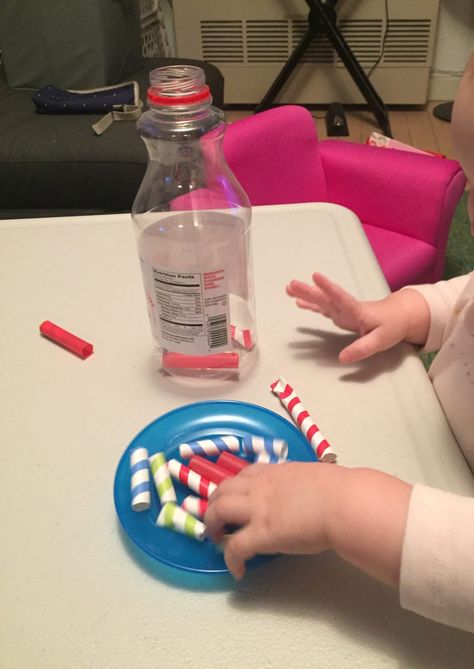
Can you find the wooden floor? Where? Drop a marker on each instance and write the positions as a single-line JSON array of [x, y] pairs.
[[419, 127]]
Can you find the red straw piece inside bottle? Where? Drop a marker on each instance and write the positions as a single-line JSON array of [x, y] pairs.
[[212, 361]]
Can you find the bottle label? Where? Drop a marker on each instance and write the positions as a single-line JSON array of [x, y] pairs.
[[192, 310]]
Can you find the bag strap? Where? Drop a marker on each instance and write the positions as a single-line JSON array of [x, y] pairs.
[[124, 113]]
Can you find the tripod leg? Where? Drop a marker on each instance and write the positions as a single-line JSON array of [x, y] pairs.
[[285, 72], [320, 19]]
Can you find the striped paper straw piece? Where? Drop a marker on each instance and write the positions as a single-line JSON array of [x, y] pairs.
[[210, 470], [308, 427], [176, 518], [269, 458], [161, 476], [229, 360], [189, 478], [140, 488], [195, 505], [243, 337], [233, 463], [211, 447], [256, 444]]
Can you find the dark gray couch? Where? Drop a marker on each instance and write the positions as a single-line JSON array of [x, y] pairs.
[[56, 165]]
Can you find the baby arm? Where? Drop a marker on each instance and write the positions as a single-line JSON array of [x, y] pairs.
[[381, 324], [307, 508]]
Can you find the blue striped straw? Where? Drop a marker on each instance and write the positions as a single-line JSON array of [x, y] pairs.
[[140, 488], [268, 458], [257, 444], [208, 447]]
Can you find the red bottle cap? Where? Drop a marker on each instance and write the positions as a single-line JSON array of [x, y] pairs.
[[178, 100]]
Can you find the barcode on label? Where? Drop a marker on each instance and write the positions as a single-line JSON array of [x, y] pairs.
[[217, 331]]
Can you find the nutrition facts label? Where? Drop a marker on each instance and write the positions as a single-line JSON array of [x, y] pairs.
[[193, 310]]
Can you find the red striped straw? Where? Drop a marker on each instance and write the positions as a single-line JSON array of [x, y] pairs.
[[194, 481], [242, 337], [231, 462], [308, 427], [195, 506], [210, 470]]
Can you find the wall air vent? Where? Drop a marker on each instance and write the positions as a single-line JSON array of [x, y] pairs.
[[365, 37], [408, 41], [250, 42], [222, 41], [267, 41]]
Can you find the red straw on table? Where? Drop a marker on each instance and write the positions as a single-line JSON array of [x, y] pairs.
[[194, 481], [196, 506], [231, 462], [308, 427], [66, 339], [212, 361], [210, 470]]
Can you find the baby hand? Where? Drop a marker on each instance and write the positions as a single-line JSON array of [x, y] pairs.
[[380, 324], [279, 509]]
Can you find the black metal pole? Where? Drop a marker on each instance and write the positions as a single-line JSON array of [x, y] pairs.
[[322, 19], [285, 72], [319, 18]]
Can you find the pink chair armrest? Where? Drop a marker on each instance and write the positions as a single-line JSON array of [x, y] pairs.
[[411, 194]]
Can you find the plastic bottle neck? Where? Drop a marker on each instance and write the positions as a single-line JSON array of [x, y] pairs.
[[180, 105], [178, 86]]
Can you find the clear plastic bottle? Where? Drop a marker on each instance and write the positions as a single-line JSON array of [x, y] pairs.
[[192, 225]]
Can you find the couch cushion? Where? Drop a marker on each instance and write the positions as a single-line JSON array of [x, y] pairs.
[[55, 162], [71, 44]]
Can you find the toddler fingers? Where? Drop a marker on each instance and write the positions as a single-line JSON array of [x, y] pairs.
[[293, 287], [252, 471], [333, 291], [363, 348], [239, 548], [304, 291], [302, 304], [227, 510], [323, 283], [232, 485]]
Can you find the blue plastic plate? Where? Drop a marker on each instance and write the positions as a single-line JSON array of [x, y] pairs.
[[194, 421]]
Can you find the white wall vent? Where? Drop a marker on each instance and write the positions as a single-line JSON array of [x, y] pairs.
[[249, 41]]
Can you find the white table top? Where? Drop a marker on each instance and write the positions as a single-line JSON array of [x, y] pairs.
[[74, 592]]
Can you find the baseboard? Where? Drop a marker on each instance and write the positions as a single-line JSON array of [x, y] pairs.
[[443, 86]]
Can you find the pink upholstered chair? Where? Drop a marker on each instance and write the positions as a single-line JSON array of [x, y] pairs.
[[405, 201]]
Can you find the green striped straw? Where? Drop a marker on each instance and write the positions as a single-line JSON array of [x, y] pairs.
[[176, 518], [161, 476]]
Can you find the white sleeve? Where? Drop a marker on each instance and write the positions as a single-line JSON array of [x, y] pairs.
[[441, 298], [437, 569]]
